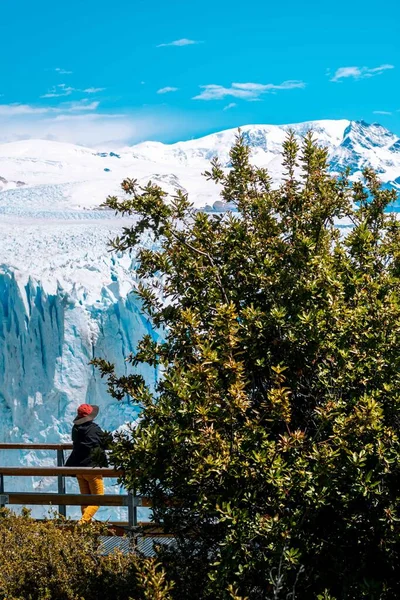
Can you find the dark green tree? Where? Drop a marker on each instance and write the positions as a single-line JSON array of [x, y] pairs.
[[270, 447]]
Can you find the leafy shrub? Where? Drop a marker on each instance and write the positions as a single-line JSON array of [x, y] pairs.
[[275, 424], [55, 560]]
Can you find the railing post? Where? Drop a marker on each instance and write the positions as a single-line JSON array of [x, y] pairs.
[[61, 481], [1, 490], [3, 497], [132, 518], [132, 509]]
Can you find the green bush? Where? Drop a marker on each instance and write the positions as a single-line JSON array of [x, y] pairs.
[[275, 425], [56, 560]]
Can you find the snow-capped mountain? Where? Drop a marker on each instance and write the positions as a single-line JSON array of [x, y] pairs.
[[353, 144], [65, 298], [63, 176]]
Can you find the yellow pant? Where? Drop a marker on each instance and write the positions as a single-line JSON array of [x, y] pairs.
[[89, 484]]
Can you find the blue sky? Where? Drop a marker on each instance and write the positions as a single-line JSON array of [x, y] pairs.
[[92, 72]]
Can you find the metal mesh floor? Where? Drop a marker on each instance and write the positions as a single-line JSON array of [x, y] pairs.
[[144, 545]]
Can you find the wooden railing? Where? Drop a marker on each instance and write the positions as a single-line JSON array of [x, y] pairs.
[[63, 499], [60, 462]]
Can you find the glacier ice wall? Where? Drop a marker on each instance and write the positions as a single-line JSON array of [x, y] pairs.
[[46, 344], [47, 341]]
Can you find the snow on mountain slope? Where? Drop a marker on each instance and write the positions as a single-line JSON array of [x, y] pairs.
[[80, 178], [65, 298], [265, 140], [64, 175], [350, 143]]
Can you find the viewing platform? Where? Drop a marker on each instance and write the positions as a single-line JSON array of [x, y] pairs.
[[142, 532]]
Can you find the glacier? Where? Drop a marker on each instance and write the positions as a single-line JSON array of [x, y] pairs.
[[47, 341], [65, 298]]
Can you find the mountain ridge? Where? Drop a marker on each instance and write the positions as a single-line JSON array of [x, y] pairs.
[[354, 144], [90, 174]]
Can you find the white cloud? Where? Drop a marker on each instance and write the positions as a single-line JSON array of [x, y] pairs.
[[245, 91], [11, 110], [87, 129], [89, 116], [251, 87], [94, 90], [84, 123], [382, 112], [359, 72], [167, 90], [229, 106], [181, 42], [53, 95], [63, 71], [78, 106], [59, 91]]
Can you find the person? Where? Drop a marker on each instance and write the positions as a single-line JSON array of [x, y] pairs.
[[86, 437]]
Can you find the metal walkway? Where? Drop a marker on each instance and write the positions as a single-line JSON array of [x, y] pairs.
[[142, 545]]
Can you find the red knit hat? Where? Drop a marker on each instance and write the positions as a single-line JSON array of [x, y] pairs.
[[85, 413]]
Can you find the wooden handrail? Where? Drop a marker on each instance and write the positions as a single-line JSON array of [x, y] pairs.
[[45, 499], [65, 471], [62, 499], [33, 446]]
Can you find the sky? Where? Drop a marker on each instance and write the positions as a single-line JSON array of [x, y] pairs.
[[96, 73]]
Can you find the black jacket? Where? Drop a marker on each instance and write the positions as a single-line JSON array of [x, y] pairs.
[[85, 439]]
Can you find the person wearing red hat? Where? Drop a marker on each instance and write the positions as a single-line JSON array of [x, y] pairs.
[[86, 437]]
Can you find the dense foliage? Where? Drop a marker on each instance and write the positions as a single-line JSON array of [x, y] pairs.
[[270, 447], [55, 560]]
